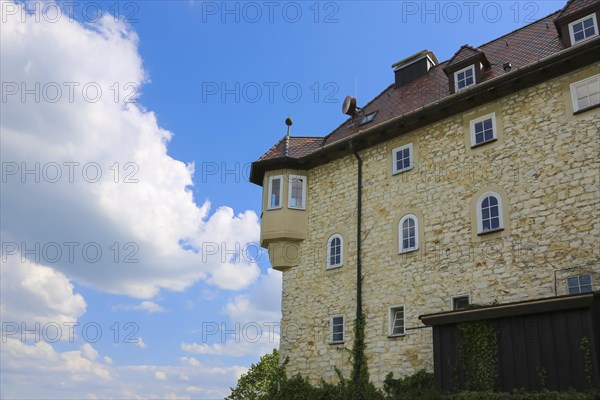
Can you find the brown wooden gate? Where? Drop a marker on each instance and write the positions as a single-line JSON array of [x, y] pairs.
[[554, 342]]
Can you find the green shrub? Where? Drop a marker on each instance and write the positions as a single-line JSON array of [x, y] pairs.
[[267, 380], [417, 386]]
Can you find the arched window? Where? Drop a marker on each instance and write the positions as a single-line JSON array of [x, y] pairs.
[[489, 213], [408, 234], [335, 251]]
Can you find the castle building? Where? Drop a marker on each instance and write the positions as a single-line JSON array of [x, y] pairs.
[[470, 181]]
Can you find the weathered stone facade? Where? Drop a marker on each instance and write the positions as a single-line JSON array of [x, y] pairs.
[[545, 166]]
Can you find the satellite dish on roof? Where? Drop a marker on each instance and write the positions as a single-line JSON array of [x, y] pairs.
[[349, 106]]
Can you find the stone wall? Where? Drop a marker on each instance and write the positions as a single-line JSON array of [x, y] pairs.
[[545, 165]]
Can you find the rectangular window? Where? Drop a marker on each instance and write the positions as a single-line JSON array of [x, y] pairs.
[[337, 329], [583, 29], [483, 130], [297, 192], [461, 302], [586, 93], [396, 319], [402, 159], [579, 284], [464, 78], [274, 193]]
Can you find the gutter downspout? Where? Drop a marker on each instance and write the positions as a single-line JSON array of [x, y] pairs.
[[358, 357]]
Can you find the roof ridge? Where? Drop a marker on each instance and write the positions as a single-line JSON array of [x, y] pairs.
[[521, 28], [394, 105], [287, 145], [272, 148], [562, 10]]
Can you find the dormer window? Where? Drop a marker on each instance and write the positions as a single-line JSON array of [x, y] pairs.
[[583, 29], [464, 78], [466, 68]]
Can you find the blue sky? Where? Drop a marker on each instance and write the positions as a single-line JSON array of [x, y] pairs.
[[212, 83]]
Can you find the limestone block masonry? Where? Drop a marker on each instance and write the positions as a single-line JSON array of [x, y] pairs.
[[545, 165]]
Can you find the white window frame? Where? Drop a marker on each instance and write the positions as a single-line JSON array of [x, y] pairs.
[[491, 116], [458, 296], [479, 216], [572, 33], [392, 318], [401, 250], [395, 169], [579, 283], [291, 178], [470, 67], [341, 263], [578, 84], [331, 341], [270, 192]]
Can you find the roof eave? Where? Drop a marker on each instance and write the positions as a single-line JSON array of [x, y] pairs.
[[536, 306], [563, 61], [258, 168]]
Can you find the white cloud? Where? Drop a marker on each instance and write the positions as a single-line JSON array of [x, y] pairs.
[[249, 343], [254, 323], [146, 305], [144, 221], [80, 374], [33, 293], [68, 221], [140, 343], [262, 303], [78, 366]]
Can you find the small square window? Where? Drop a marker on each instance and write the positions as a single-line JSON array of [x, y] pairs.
[[583, 29], [483, 130], [579, 284], [402, 159], [396, 321], [337, 329], [274, 192], [368, 118], [586, 93], [297, 192], [464, 78], [461, 302]]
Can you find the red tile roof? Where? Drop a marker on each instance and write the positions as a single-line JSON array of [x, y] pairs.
[[575, 6], [293, 147], [522, 47], [466, 52]]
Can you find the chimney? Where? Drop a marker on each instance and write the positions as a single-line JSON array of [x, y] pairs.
[[414, 67]]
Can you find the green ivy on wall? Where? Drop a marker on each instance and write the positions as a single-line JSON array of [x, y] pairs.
[[479, 355]]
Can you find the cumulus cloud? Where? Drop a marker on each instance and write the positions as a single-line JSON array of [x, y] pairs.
[[253, 329], [146, 305], [34, 293], [262, 302], [91, 196], [253, 340], [83, 373], [117, 209]]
